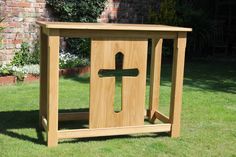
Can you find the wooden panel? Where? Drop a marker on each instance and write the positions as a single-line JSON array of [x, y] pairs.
[[102, 90], [155, 76], [111, 26], [43, 77], [177, 83], [83, 133], [53, 79]]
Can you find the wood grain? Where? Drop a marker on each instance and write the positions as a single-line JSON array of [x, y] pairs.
[[53, 79], [43, 77], [155, 77], [103, 89], [160, 116], [110, 26], [83, 133], [177, 83], [73, 33]]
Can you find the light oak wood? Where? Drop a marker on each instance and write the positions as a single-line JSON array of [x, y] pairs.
[[83, 133], [43, 77], [177, 83], [102, 90], [73, 116], [45, 123], [73, 33], [155, 77], [160, 116], [111, 26], [107, 40], [53, 79]]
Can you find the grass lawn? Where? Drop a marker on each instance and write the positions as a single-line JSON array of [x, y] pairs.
[[208, 118]]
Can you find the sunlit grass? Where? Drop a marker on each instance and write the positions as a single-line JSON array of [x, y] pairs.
[[208, 118]]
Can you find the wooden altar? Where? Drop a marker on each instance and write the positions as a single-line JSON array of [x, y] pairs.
[[108, 40]]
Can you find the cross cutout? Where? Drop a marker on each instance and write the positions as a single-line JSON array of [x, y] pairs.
[[118, 71]]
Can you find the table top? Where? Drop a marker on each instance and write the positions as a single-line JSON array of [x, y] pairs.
[[111, 26]]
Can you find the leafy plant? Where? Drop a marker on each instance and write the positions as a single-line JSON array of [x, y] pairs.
[[187, 14], [77, 11], [203, 27], [164, 14], [24, 56], [68, 60], [5, 70], [34, 57]]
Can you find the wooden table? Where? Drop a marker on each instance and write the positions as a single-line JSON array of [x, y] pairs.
[[107, 41]]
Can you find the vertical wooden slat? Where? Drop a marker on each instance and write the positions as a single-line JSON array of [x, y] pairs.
[[43, 76], [155, 77], [177, 83], [53, 79]]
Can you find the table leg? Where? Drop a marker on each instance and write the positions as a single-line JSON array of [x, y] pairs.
[[43, 77], [177, 83], [53, 83], [155, 77]]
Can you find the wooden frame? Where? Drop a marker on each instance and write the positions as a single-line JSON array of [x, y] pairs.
[[123, 37]]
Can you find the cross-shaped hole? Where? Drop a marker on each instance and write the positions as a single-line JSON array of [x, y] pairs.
[[118, 73]]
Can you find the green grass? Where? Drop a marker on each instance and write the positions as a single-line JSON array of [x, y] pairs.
[[208, 118]]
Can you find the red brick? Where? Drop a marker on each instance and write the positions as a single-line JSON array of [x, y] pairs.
[[21, 4]]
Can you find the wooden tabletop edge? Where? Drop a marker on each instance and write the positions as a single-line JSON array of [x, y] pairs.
[[112, 26]]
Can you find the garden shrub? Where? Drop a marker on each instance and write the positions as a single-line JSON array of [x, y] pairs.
[[187, 14], [25, 57], [77, 11], [68, 60]]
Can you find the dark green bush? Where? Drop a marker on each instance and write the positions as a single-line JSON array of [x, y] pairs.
[[187, 14], [77, 11]]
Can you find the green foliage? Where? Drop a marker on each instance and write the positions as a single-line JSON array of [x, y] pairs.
[[79, 47], [208, 125], [199, 21], [22, 57], [35, 55], [74, 63], [178, 13], [165, 14], [25, 57], [77, 11], [19, 75], [68, 60], [5, 70]]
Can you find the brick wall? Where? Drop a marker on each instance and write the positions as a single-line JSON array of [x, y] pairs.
[[22, 14], [128, 11], [20, 24]]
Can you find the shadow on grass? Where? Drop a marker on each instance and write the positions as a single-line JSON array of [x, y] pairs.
[[13, 121]]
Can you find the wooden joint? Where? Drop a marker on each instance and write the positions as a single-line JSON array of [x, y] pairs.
[[45, 123], [45, 30], [160, 116], [73, 116]]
